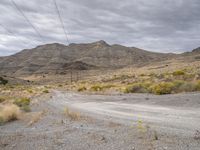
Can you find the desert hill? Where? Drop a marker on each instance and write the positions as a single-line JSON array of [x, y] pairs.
[[59, 58]]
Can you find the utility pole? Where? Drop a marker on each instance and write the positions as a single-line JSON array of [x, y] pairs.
[[71, 76], [77, 75]]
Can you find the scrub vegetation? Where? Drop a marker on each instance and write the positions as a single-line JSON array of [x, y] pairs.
[[178, 81]]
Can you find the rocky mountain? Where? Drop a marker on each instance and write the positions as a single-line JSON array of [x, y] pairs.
[[59, 58], [197, 50]]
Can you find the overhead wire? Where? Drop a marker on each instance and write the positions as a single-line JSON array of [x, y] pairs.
[[13, 34], [7, 30], [10, 32], [61, 21], [26, 18]]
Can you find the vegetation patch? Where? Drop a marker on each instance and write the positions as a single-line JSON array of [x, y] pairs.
[[162, 88], [2, 99], [136, 88], [45, 91], [81, 89], [3, 81], [198, 85], [9, 113], [178, 73], [96, 88], [23, 103], [74, 116]]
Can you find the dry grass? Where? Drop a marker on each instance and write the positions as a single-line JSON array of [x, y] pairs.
[[81, 89], [36, 117], [9, 113], [158, 81], [2, 99], [74, 116]]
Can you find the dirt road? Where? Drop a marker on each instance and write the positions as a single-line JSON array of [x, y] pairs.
[[110, 122], [178, 114]]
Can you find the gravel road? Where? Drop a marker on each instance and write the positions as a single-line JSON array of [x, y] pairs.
[[178, 114], [128, 122]]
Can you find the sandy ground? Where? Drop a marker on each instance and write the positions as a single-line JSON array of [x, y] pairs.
[[108, 122]]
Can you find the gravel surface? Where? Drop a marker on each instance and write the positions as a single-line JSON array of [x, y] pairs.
[[107, 122]]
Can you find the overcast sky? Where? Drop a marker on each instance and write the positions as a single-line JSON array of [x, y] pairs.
[[157, 25]]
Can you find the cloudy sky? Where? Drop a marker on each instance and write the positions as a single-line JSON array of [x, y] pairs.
[[157, 25]]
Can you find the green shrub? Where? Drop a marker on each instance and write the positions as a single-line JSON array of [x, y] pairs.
[[96, 88], [162, 88], [30, 91], [26, 108], [108, 86], [178, 73], [136, 88], [45, 91], [178, 84], [23, 103], [175, 87], [82, 88], [187, 76]]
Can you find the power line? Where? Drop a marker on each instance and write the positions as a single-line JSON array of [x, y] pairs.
[[22, 13], [13, 34], [61, 21], [10, 32]]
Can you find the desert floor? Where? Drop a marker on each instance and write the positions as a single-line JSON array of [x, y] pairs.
[[73, 121]]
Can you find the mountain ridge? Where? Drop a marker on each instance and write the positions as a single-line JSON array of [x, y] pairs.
[[60, 58]]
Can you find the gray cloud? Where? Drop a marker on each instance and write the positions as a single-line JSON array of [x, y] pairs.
[[157, 25]]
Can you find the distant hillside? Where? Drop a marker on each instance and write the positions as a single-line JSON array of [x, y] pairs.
[[197, 50], [58, 58], [194, 55]]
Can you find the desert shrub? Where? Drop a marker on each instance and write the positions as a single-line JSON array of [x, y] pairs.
[[152, 74], [60, 85], [178, 73], [26, 108], [9, 113], [162, 88], [136, 88], [187, 87], [72, 115], [30, 91], [23, 103], [81, 89], [142, 75], [3, 81], [121, 77], [183, 86], [198, 85], [160, 76], [2, 99], [45, 91], [189, 77], [96, 88], [178, 83], [108, 86]]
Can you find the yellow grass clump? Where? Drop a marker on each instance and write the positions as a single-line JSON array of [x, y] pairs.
[[75, 116], [9, 113]]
